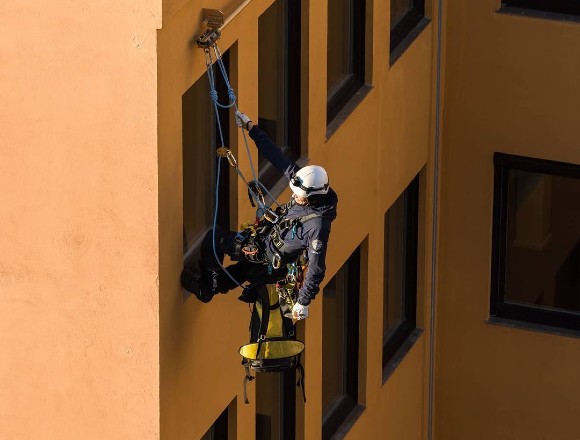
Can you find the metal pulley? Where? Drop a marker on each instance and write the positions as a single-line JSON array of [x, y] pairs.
[[214, 18]]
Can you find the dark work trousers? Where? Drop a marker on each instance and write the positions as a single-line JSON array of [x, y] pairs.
[[213, 278]]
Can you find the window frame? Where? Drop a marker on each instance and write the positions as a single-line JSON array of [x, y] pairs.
[[267, 173], [408, 27], [285, 384], [499, 307], [219, 430], [224, 193], [357, 46], [408, 323], [560, 8], [345, 405]]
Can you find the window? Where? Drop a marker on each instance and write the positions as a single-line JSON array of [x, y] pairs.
[[276, 406], [406, 16], [536, 241], [400, 271], [346, 53], [279, 30], [340, 331], [566, 7], [219, 430], [200, 162]]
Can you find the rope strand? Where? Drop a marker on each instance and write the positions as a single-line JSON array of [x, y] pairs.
[[232, 103]]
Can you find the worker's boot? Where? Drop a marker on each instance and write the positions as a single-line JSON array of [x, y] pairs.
[[192, 282]]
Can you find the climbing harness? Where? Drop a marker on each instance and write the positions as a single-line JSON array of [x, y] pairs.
[[278, 230], [273, 346]]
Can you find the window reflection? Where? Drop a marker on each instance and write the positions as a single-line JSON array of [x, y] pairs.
[[543, 240]]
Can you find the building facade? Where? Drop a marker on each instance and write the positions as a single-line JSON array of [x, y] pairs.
[[450, 307]]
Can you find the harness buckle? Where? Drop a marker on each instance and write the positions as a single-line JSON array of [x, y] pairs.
[[271, 216]]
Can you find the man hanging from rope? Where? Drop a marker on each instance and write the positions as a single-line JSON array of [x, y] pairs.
[[304, 224]]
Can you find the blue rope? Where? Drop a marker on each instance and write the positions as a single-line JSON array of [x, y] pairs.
[[214, 97], [232, 103], [217, 188]]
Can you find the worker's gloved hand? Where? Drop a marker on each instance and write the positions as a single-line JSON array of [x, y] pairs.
[[242, 120], [299, 311]]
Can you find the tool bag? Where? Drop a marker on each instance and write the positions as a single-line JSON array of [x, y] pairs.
[[273, 346]]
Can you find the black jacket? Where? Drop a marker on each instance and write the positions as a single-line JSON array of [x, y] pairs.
[[312, 234]]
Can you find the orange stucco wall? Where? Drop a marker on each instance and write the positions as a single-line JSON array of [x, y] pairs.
[[511, 86], [381, 146], [79, 255]]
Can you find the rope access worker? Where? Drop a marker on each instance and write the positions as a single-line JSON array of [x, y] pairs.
[[261, 258]]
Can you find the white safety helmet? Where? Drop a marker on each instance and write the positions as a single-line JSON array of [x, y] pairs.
[[309, 180]]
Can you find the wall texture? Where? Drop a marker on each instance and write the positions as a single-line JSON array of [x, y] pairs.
[[79, 255], [511, 86]]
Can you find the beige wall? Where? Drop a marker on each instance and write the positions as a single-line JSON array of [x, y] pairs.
[[382, 145], [511, 86], [78, 261]]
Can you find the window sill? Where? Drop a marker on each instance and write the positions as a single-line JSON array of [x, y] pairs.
[[408, 40], [392, 365], [524, 325], [345, 112], [534, 13]]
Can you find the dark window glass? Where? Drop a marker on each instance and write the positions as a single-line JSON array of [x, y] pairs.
[[568, 7], [279, 82], [200, 163], [340, 345], [400, 270], [219, 430], [405, 15], [276, 406], [536, 259], [345, 53]]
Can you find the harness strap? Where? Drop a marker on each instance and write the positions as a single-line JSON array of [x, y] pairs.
[[265, 303], [290, 222], [247, 379], [285, 224]]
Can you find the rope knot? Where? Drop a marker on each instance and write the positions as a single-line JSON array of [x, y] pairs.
[[213, 95], [231, 95]]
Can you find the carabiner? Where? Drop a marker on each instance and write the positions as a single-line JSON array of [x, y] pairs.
[[227, 153], [276, 261]]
